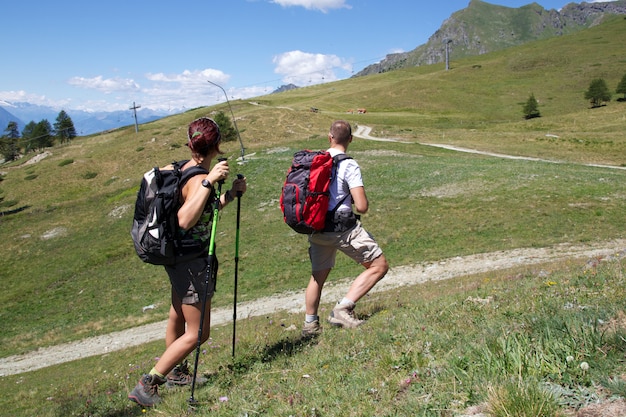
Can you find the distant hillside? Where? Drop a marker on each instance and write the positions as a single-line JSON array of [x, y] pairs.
[[483, 27]]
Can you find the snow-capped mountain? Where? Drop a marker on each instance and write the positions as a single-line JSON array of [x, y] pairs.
[[85, 123]]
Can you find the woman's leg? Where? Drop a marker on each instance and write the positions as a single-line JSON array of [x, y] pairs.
[[181, 347], [176, 321]]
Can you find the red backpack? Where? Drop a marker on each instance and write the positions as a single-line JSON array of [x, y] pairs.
[[306, 194]]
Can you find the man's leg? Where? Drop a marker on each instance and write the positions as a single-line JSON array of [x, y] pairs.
[[313, 292], [374, 272], [312, 296], [361, 246]]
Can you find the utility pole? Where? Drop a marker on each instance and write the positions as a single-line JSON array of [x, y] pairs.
[[447, 42], [134, 109]]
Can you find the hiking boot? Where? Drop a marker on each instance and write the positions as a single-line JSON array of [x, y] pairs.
[[311, 328], [343, 316], [146, 392], [180, 377]]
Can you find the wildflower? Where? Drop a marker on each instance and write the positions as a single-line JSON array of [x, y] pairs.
[[223, 399], [570, 358], [584, 366]]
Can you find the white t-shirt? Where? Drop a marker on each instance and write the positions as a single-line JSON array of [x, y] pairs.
[[348, 176]]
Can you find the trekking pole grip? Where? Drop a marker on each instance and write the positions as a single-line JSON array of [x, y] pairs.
[[221, 160], [239, 193]]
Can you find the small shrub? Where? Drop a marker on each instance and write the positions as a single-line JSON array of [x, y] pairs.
[[139, 148], [30, 177], [66, 162], [89, 175], [8, 203]]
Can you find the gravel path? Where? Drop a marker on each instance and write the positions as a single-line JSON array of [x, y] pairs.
[[294, 302]]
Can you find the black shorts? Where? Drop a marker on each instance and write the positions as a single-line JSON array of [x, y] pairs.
[[189, 280]]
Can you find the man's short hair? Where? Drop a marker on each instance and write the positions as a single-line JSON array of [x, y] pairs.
[[341, 131]]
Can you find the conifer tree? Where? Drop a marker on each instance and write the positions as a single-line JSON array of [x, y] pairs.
[[227, 129], [8, 144], [531, 108], [64, 127], [598, 93]]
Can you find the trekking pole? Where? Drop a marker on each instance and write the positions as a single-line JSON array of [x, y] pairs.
[[240, 176], [243, 150], [209, 272]]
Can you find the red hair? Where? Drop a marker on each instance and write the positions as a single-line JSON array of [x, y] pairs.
[[204, 136]]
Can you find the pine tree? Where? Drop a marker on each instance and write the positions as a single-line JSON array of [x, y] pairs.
[[598, 93], [227, 130], [531, 108], [64, 127], [37, 135], [8, 144]]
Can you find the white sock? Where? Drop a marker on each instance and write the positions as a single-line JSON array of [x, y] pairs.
[[310, 318], [348, 302]]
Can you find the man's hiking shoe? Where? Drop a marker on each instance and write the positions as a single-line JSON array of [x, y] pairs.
[[343, 316], [180, 377], [311, 329], [146, 392]]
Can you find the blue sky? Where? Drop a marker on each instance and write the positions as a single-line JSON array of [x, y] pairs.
[[103, 56]]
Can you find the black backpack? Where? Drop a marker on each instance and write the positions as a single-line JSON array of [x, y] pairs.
[[305, 194], [155, 232]]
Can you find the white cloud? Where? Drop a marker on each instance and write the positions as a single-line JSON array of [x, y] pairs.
[[20, 96], [188, 89], [190, 78], [303, 68], [158, 91], [321, 5], [24, 97], [105, 85]]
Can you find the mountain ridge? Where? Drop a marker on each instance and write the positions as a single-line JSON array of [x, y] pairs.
[[483, 27]]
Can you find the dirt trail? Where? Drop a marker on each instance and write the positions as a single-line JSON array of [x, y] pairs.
[[364, 133], [294, 302]]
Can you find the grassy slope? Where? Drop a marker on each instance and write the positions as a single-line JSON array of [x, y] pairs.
[[89, 281]]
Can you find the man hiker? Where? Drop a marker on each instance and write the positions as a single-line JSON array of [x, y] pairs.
[[343, 232]]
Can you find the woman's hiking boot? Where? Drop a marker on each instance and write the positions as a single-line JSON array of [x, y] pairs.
[[311, 329], [343, 316], [146, 392], [180, 376]]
